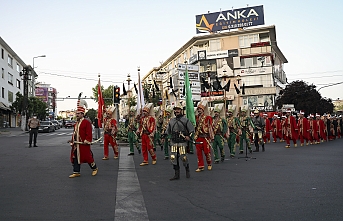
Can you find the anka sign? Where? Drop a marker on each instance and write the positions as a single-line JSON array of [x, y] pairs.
[[231, 19]]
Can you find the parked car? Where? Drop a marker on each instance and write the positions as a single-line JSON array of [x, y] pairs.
[[56, 124], [69, 124], [46, 126]]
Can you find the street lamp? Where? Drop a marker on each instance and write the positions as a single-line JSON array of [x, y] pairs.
[[34, 73], [238, 79], [225, 77], [208, 71]]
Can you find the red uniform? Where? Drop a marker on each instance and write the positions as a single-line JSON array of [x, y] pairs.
[[110, 133], [82, 133], [313, 131], [267, 129], [321, 129], [146, 130], [276, 129], [303, 130], [291, 130], [204, 135]]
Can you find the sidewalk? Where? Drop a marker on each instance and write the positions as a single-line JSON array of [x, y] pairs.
[[11, 131]]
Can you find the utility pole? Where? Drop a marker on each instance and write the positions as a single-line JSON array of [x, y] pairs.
[[25, 77]]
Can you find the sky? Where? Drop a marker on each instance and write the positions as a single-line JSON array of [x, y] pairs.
[[83, 38]]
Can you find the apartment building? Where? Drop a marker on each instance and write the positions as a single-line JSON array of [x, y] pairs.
[[10, 83], [48, 95], [248, 60]]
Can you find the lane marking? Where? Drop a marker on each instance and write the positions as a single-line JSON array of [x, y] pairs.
[[129, 198]]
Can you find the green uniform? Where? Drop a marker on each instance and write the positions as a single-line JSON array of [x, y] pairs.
[[245, 122], [233, 125], [157, 135], [167, 137], [219, 129], [132, 137]]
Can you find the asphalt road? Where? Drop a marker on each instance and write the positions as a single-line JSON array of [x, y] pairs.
[[303, 183]]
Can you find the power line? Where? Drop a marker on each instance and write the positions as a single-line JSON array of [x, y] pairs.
[[80, 78]]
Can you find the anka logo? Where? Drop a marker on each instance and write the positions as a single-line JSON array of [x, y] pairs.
[[231, 19]]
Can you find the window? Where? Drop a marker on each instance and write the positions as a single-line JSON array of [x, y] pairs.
[[215, 45], [184, 56], [3, 73], [2, 53], [10, 61], [191, 52], [250, 62], [18, 83], [18, 68], [246, 40], [10, 78], [3, 92], [10, 96]]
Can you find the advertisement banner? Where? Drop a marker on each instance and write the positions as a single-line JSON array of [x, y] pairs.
[[42, 93], [230, 19]]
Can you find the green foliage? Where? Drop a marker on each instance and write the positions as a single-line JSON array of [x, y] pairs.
[[151, 96], [132, 101], [122, 132], [91, 113], [304, 97], [107, 94], [35, 106]]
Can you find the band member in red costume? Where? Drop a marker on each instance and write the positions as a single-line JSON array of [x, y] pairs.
[[203, 136], [276, 128], [267, 129], [291, 129], [312, 130], [321, 128], [146, 131], [81, 142], [303, 128], [110, 133]]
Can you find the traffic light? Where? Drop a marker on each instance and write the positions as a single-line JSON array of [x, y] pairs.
[[116, 99]]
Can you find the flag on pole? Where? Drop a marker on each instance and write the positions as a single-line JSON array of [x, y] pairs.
[[140, 96], [189, 100], [100, 105]]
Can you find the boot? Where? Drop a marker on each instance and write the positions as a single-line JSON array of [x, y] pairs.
[[257, 148], [263, 148], [176, 176], [188, 175]]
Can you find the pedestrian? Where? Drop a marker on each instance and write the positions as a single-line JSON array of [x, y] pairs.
[[96, 128], [276, 128], [219, 130], [259, 128], [321, 128], [159, 122], [33, 125], [146, 131], [81, 142], [267, 129], [203, 136], [180, 129], [110, 133]]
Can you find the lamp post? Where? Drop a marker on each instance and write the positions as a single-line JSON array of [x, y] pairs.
[[34, 73], [238, 79], [129, 92], [208, 71], [225, 98]]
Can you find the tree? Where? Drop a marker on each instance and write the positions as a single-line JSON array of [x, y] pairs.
[[35, 106], [107, 94], [304, 97], [91, 113]]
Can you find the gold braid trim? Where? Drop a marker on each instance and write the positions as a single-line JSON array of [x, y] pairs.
[[199, 127], [216, 124]]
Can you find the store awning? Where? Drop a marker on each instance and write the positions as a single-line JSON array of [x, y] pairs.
[[4, 107]]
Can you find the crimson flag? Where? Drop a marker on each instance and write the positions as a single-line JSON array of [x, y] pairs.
[[100, 105]]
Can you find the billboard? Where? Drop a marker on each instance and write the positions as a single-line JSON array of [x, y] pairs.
[[42, 93], [230, 19]]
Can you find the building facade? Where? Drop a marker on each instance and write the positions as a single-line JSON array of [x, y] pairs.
[[248, 61], [11, 83]]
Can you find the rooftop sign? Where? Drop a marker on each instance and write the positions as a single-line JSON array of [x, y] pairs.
[[231, 19]]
